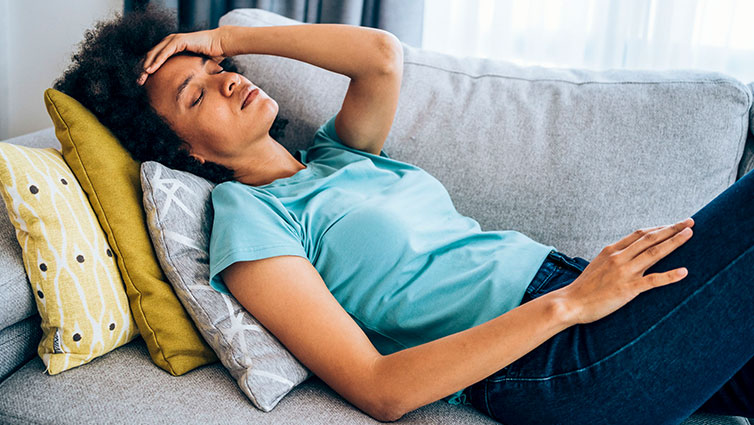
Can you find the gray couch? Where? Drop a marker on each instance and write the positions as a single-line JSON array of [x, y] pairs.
[[573, 158]]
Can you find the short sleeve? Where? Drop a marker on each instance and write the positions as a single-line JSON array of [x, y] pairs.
[[249, 224], [326, 136]]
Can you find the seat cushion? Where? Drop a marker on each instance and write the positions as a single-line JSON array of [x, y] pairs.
[[102, 391]]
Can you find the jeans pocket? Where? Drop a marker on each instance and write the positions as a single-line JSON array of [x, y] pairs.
[[576, 264]]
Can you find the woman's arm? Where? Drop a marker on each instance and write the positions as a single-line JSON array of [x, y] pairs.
[[372, 58], [287, 295], [350, 50]]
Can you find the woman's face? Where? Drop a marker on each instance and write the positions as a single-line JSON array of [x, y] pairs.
[[203, 105]]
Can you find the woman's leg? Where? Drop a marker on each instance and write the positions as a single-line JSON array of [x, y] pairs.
[[660, 357], [736, 397]]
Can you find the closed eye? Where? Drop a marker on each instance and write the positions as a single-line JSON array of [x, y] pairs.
[[201, 95]]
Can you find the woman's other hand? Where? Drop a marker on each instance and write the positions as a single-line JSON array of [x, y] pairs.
[[207, 42], [616, 275]]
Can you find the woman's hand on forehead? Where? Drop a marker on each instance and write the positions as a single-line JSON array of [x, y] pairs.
[[207, 42]]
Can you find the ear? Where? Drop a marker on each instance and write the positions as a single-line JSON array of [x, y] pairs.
[[197, 157]]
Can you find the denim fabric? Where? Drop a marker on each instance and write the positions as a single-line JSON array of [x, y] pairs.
[[669, 352]]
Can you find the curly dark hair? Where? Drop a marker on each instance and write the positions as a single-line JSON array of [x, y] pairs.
[[103, 76]]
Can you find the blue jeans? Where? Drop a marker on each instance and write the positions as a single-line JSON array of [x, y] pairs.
[[670, 352]]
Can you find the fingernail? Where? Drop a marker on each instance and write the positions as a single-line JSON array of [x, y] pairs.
[[686, 231]]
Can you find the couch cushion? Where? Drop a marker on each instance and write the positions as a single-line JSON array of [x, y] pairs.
[[747, 162], [15, 292], [103, 392], [16, 298], [179, 216], [18, 344], [74, 279], [543, 151]]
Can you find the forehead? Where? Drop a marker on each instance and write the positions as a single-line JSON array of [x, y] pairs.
[[163, 84], [174, 70]]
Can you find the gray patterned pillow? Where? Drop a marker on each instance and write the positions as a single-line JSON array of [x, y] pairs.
[[179, 217]]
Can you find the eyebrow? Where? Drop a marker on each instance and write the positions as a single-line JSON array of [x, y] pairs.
[[186, 82]]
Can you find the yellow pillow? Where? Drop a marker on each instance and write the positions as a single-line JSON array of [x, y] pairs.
[[77, 286], [110, 177]]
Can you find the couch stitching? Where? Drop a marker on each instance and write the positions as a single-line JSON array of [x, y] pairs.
[[12, 339], [557, 80]]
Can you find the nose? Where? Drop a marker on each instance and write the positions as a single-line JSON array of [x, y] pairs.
[[230, 83]]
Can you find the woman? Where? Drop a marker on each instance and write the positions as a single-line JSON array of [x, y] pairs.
[[656, 327]]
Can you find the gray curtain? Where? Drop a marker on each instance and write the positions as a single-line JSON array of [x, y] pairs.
[[401, 17]]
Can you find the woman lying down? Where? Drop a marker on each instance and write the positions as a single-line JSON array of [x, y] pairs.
[[362, 267]]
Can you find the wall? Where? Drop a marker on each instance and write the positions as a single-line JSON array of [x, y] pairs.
[[37, 39]]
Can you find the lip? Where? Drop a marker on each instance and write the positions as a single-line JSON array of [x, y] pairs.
[[250, 96]]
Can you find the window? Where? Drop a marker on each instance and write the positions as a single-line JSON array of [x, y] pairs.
[[711, 35]]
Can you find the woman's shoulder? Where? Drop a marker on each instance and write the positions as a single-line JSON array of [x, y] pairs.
[[234, 192]]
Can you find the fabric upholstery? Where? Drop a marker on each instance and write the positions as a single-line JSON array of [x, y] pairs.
[[110, 177], [179, 217], [549, 152], [76, 285], [18, 344], [103, 392], [15, 291], [747, 162]]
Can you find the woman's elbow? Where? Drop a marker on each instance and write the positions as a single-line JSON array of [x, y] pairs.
[[391, 50], [386, 412], [382, 401], [390, 405]]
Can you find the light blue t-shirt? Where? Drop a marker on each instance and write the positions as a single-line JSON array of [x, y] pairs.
[[386, 239]]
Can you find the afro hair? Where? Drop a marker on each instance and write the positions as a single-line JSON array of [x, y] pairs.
[[103, 78]]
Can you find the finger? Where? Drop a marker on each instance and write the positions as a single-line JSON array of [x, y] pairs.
[[655, 253], [149, 57], [154, 53], [665, 278], [160, 58], [654, 237], [633, 236]]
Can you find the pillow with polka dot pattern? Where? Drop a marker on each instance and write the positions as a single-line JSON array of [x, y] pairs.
[[76, 283]]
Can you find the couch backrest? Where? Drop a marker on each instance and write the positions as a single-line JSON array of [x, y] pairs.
[[573, 158]]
